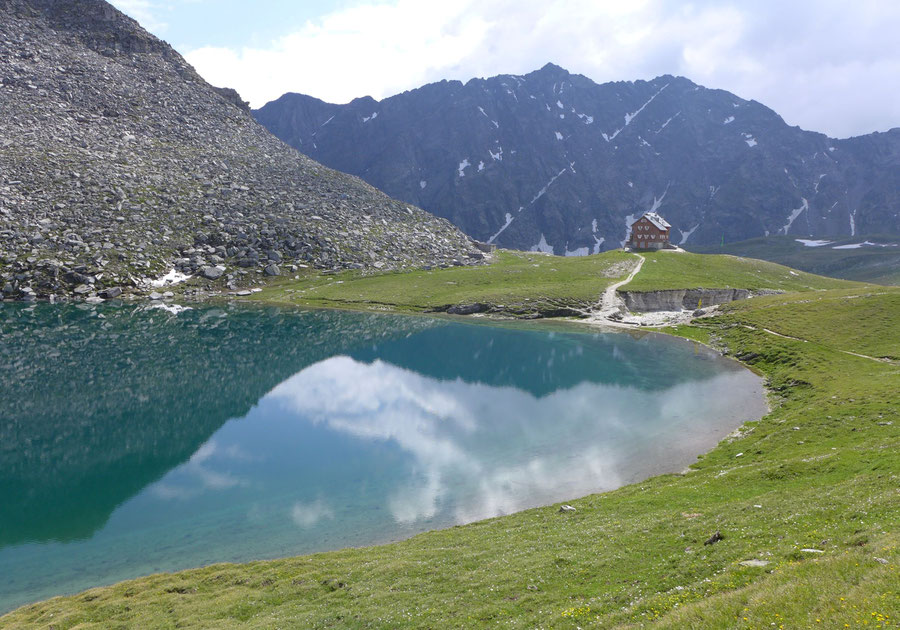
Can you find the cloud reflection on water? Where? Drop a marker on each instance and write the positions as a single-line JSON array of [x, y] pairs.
[[197, 475], [478, 451]]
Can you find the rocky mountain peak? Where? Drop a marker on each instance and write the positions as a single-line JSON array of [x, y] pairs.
[[97, 24], [550, 70], [119, 164]]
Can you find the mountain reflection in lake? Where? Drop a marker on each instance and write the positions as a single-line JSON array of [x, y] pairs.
[[134, 441]]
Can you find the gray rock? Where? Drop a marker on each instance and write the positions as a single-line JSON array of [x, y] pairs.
[[82, 289], [273, 270], [212, 273], [467, 309], [753, 563], [110, 293]]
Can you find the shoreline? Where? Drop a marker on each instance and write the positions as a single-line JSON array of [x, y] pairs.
[[680, 466]]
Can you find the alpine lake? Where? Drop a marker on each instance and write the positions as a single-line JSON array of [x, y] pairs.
[[135, 440]]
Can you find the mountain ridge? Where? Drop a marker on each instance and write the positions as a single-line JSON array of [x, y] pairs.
[[487, 155]]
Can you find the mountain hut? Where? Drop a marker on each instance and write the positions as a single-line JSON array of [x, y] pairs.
[[651, 231]]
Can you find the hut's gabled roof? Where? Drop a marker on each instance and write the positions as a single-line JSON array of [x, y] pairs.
[[656, 220]]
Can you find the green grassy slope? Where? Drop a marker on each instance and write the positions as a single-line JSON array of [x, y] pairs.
[[683, 270], [819, 472], [519, 282], [865, 264]]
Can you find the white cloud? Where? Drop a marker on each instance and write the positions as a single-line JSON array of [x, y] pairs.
[[144, 11], [824, 65]]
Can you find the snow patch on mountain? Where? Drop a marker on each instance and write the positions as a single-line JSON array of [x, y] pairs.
[[686, 235], [819, 179], [509, 219], [666, 124], [865, 244], [584, 117], [657, 202], [543, 190], [796, 212], [578, 251], [542, 246], [632, 115]]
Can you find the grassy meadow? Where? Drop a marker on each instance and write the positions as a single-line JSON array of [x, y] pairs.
[[805, 500], [526, 284], [667, 269], [519, 283]]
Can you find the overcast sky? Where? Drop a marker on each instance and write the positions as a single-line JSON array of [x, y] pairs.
[[825, 65]]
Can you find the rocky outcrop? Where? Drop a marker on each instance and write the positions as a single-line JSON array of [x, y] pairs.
[[679, 299], [552, 160], [119, 163]]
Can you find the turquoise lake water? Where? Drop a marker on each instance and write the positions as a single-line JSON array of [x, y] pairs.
[[134, 441]]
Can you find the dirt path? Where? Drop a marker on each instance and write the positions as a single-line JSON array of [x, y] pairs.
[[610, 309], [853, 354], [610, 302]]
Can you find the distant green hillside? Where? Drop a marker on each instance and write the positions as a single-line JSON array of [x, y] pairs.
[[527, 284], [683, 270], [879, 263], [521, 283]]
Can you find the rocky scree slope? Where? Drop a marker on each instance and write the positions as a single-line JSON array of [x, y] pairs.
[[119, 163], [552, 161]]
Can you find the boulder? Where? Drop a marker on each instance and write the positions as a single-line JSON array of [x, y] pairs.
[[212, 273]]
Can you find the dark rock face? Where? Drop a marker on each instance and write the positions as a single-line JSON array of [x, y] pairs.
[[118, 163], [553, 160]]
